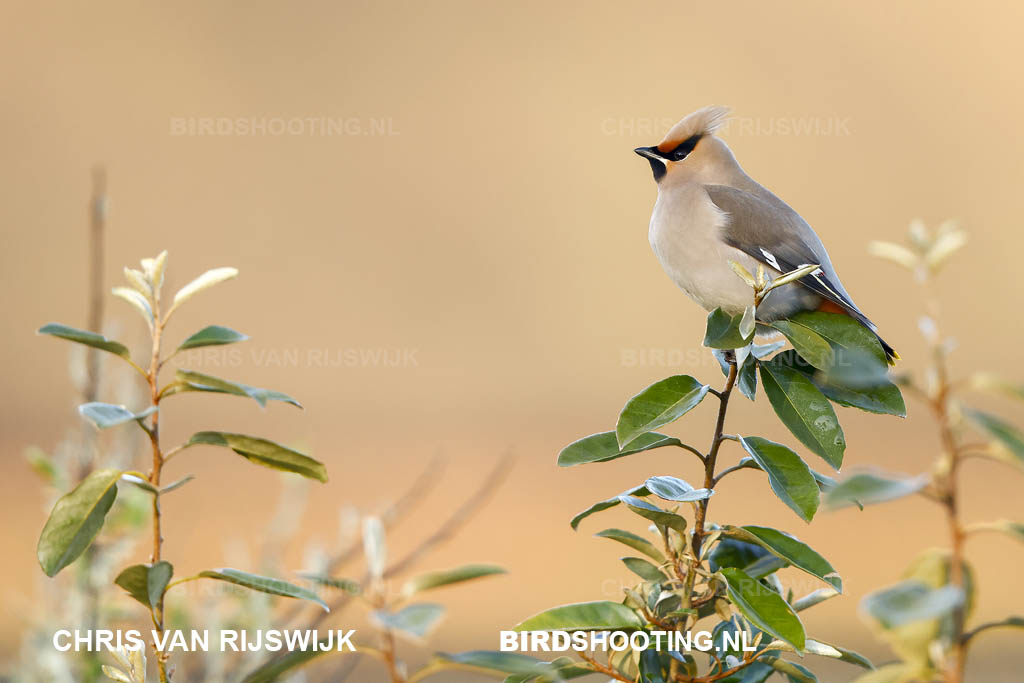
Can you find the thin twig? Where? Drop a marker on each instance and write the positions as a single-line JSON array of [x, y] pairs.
[[607, 670], [709, 465], [154, 476], [457, 519], [967, 637], [948, 487], [97, 225], [693, 450], [449, 528], [391, 515], [730, 470]]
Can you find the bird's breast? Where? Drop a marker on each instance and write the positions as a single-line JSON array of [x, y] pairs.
[[685, 236]]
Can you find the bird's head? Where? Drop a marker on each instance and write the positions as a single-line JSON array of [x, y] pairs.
[[690, 146]]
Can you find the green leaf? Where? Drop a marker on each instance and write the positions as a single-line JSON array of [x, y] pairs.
[[264, 452], [115, 674], [212, 335], [75, 520], [909, 601], [842, 332], [811, 346], [189, 380], [42, 464], [105, 415], [746, 378], [825, 482], [658, 405], [655, 513], [814, 598], [140, 483], [790, 549], [881, 399], [804, 410], [174, 485], [788, 475], [633, 541], [796, 673], [584, 616], [1014, 530], [137, 301], [605, 504], [97, 341], [204, 281], [1003, 432], [723, 331], [348, 585], [764, 608], [992, 382], [264, 584], [729, 552], [675, 489], [869, 488], [822, 649], [449, 576], [146, 582], [604, 446], [375, 547], [762, 351], [644, 569], [879, 396], [651, 669], [414, 620]]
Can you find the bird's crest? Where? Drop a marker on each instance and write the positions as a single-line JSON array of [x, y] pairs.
[[704, 121]]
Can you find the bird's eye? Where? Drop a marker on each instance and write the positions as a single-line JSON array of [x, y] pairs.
[[684, 148]]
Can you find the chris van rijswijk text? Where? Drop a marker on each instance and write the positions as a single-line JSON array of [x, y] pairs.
[[272, 640]]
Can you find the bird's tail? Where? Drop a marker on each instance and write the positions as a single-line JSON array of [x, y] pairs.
[[890, 353]]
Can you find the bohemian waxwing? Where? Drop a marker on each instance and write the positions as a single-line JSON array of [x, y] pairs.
[[709, 212]]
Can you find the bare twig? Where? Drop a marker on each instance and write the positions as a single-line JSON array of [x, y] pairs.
[[394, 512], [391, 515], [94, 319], [449, 528], [457, 519]]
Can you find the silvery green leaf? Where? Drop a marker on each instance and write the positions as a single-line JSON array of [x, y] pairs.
[[374, 546]]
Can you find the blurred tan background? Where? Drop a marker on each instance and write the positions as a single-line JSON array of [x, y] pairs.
[[482, 221]]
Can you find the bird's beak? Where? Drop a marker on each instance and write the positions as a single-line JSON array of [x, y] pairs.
[[649, 153]]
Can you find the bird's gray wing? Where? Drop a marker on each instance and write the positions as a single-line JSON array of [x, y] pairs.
[[774, 234]]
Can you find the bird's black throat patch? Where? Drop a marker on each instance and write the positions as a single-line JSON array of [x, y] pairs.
[[658, 168]]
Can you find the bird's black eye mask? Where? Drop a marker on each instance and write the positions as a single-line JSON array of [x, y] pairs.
[[684, 148], [657, 158]]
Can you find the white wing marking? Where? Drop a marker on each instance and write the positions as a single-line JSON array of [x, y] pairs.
[[771, 259]]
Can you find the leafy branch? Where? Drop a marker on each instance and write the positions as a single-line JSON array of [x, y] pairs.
[[925, 617], [79, 515], [714, 571]]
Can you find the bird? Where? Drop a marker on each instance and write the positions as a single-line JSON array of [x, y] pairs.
[[709, 213]]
